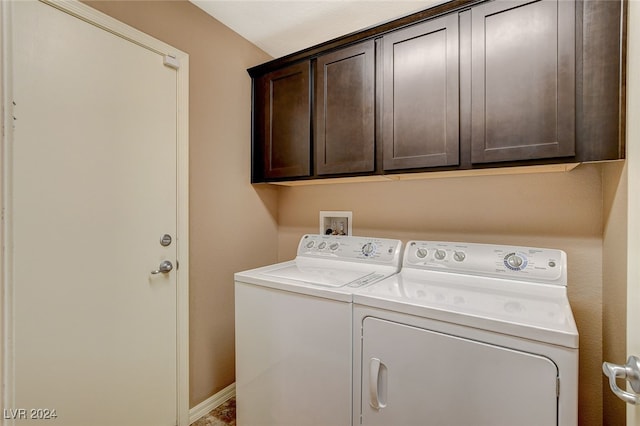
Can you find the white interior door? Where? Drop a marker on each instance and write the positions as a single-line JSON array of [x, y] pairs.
[[91, 187]]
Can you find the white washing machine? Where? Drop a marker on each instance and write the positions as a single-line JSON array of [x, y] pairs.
[[294, 330], [467, 334]]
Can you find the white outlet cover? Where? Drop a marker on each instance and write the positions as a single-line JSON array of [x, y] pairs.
[[336, 223]]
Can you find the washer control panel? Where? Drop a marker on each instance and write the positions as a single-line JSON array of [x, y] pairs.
[[361, 249], [522, 263]]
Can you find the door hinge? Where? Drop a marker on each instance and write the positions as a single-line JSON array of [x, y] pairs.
[[171, 62]]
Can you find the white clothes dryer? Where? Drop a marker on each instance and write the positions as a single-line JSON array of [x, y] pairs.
[[467, 334], [293, 330]]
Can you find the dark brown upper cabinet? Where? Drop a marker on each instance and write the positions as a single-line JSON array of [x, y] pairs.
[[523, 80], [465, 84], [344, 110], [282, 123], [420, 107]]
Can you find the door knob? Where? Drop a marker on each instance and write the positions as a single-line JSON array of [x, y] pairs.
[[164, 267], [631, 372]]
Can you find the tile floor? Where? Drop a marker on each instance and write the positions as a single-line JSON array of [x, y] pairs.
[[224, 415]]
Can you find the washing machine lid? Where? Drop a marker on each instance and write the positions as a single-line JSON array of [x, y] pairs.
[[330, 266], [525, 298], [327, 274]]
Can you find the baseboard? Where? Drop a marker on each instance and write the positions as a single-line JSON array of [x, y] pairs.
[[212, 402]]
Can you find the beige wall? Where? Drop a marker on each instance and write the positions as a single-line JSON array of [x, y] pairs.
[[559, 210], [225, 210], [614, 297]]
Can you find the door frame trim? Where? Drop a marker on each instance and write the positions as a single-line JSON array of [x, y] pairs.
[[107, 23]]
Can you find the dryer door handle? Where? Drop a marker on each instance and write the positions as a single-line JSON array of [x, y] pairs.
[[377, 384], [631, 372]]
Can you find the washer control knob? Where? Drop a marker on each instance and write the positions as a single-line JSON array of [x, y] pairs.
[[368, 249], [515, 261], [459, 256], [422, 253], [440, 254], [322, 245], [334, 246], [310, 244]]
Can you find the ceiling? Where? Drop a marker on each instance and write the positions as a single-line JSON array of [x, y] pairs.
[[283, 27]]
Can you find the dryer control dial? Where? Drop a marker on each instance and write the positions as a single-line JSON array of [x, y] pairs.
[[422, 253], [440, 254]]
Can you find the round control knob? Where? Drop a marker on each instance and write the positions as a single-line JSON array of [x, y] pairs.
[[515, 261], [459, 256], [322, 245], [310, 244], [368, 249], [422, 253], [440, 254], [334, 246]]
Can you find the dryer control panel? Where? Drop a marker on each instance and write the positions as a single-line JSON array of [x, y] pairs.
[[359, 249], [513, 262]]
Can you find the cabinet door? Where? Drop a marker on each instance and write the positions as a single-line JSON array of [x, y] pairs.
[[344, 108], [420, 120], [412, 376], [523, 80], [284, 127]]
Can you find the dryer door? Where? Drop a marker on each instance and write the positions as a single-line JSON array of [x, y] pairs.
[[413, 376]]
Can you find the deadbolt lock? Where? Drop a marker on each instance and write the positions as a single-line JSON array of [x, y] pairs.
[[165, 240]]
